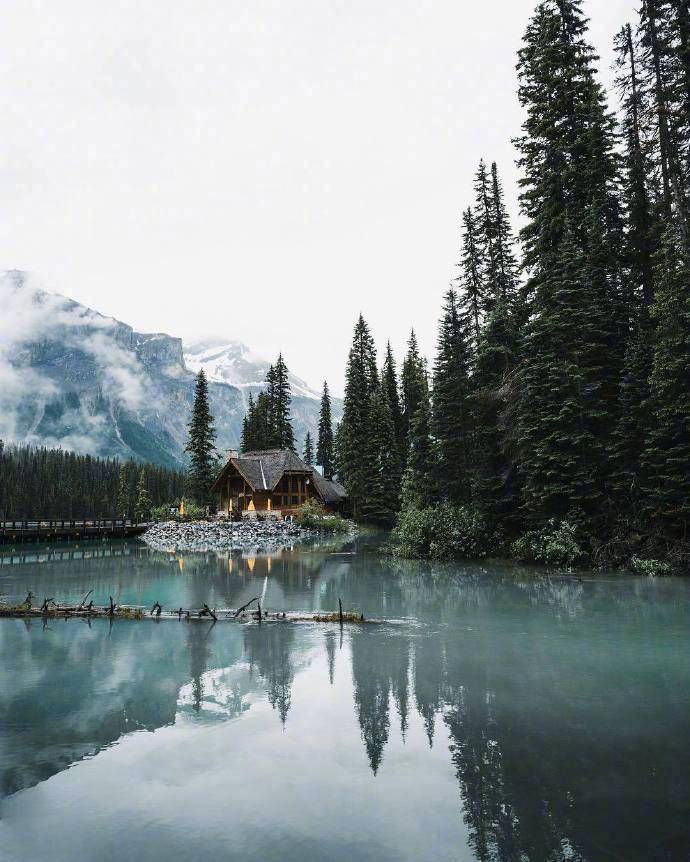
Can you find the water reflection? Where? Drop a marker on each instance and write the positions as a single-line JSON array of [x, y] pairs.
[[562, 705]]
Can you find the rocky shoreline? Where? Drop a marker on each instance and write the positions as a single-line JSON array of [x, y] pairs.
[[223, 535]]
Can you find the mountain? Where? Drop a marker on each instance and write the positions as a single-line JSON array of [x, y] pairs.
[[232, 362], [72, 377]]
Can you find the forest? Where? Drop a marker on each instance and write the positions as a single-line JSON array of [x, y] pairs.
[[555, 418], [55, 484]]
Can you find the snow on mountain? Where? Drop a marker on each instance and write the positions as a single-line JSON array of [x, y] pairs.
[[73, 378], [233, 363]]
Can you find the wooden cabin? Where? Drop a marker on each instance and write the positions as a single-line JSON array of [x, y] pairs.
[[275, 481]]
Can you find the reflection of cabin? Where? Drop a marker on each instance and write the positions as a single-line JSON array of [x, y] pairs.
[[276, 481]]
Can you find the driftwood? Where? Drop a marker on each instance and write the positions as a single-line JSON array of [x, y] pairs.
[[81, 604], [113, 611], [244, 607]]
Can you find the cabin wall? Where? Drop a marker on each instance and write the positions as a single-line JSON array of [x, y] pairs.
[[290, 493]]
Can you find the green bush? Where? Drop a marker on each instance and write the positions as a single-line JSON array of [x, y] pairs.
[[651, 568], [311, 515], [192, 512], [160, 513], [555, 545], [441, 532]]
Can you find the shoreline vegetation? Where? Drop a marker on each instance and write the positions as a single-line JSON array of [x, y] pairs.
[[446, 533]]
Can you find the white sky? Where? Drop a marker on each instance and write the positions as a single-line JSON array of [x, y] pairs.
[[259, 170]]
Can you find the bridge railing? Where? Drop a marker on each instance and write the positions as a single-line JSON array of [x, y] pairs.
[[69, 524]]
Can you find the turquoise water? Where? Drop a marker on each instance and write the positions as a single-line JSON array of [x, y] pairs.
[[505, 714]]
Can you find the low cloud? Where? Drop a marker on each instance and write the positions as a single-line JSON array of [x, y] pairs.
[[33, 321]]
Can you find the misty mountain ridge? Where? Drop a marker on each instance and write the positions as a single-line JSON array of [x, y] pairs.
[[72, 377]]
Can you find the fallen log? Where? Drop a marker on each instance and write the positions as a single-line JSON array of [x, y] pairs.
[[113, 611]]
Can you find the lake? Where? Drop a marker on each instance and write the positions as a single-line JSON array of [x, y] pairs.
[[497, 713]]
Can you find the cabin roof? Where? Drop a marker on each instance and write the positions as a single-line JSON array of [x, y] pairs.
[[329, 490], [263, 470]]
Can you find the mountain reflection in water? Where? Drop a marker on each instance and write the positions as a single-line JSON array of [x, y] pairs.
[[559, 707]]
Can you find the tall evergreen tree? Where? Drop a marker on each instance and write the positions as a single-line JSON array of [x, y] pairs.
[[356, 453], [666, 458], [325, 442], [391, 387], [248, 426], [142, 507], [452, 421], [472, 268], [280, 407], [561, 454], [506, 278], [383, 494], [642, 226], [200, 444], [413, 385], [308, 453], [123, 499], [571, 239], [419, 487]]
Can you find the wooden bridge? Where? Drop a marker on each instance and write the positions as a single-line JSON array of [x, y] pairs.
[[12, 532]]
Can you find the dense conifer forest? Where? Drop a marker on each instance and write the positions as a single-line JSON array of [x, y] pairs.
[[556, 415], [52, 483]]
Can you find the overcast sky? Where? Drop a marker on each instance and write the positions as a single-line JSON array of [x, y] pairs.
[[257, 170]]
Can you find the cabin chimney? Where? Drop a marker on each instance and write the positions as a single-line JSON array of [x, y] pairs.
[[232, 453]]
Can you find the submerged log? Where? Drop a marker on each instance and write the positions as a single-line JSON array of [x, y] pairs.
[[51, 610]]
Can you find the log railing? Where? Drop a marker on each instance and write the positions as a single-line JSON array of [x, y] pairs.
[[37, 529]]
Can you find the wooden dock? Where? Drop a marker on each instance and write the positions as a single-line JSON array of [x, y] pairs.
[[14, 532]]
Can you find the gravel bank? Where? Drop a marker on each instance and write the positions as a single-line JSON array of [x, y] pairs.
[[222, 535]]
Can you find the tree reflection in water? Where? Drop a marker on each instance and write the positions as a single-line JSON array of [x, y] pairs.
[[567, 732]]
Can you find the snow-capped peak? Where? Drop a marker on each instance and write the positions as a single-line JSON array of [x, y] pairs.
[[233, 363]]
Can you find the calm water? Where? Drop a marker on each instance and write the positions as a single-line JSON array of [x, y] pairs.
[[507, 715]]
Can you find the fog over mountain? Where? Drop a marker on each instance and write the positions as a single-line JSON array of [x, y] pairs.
[[74, 378]]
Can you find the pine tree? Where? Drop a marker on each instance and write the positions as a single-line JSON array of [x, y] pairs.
[[666, 459], [472, 267], [279, 394], [452, 423], [308, 454], [419, 488], [413, 386], [573, 345], [122, 501], [325, 443], [389, 382], [642, 226], [506, 278], [200, 445], [561, 455], [142, 507], [485, 239], [494, 473], [248, 427], [383, 496], [356, 453]]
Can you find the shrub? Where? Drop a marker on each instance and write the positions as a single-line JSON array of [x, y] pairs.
[[192, 511], [554, 544], [311, 515], [651, 568], [441, 532], [161, 513]]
